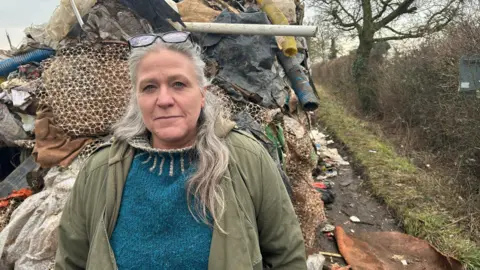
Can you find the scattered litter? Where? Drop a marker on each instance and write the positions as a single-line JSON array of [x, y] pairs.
[[354, 219], [328, 196], [331, 173], [372, 151], [330, 235], [329, 183], [330, 254], [398, 257], [333, 154], [404, 262], [319, 185], [328, 228], [315, 262]]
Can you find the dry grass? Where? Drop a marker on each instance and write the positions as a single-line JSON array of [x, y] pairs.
[[417, 197]]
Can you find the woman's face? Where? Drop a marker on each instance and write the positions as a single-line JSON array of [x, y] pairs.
[[169, 97]]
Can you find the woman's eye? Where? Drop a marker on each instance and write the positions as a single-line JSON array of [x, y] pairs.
[[179, 85], [148, 88]]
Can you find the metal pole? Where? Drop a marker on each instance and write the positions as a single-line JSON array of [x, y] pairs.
[[77, 13], [252, 29]]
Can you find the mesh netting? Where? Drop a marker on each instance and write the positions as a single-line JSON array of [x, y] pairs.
[[92, 147], [256, 111], [87, 87]]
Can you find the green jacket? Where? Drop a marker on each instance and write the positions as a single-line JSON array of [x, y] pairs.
[[259, 219]]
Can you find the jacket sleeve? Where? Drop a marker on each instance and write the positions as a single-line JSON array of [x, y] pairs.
[[73, 243], [281, 240]]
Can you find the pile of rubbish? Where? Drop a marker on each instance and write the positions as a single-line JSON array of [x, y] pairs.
[[67, 83]]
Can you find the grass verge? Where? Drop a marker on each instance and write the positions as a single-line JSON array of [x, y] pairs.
[[408, 191]]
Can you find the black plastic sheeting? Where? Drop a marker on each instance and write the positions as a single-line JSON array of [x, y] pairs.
[[248, 60], [156, 12], [109, 20]]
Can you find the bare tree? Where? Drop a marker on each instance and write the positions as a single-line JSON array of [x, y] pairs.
[[383, 20], [320, 45], [333, 49]]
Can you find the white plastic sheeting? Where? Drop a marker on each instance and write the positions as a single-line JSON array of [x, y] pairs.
[[323, 151], [29, 241], [10, 128], [315, 262], [63, 17]]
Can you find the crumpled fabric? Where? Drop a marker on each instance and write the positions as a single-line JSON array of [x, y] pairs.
[[63, 18], [12, 83], [112, 21], [196, 11], [10, 128], [52, 146], [247, 61], [29, 241], [37, 36]]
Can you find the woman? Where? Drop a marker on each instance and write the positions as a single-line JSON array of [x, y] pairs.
[[180, 187]]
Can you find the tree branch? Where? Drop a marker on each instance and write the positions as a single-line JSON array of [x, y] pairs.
[[385, 5], [443, 11], [430, 26], [396, 31], [417, 35], [354, 21], [401, 9]]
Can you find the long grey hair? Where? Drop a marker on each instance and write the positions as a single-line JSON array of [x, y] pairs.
[[212, 152]]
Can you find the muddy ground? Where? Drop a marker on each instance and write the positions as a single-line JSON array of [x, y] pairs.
[[352, 198]]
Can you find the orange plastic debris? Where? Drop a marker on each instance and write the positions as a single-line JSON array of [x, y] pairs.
[[21, 194]]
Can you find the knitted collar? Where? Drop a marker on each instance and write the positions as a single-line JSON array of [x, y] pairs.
[[142, 142], [158, 157]]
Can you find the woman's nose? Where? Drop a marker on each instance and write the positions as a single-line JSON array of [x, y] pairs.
[[164, 98]]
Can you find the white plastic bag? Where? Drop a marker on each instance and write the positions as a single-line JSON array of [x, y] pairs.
[[39, 34], [63, 17], [315, 262]]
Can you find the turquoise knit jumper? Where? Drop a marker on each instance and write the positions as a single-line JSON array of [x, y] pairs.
[[155, 229]]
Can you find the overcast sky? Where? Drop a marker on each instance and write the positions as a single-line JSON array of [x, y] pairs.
[[16, 15]]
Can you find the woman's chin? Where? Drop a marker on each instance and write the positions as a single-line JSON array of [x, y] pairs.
[[171, 138]]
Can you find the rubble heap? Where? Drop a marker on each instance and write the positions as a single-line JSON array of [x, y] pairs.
[[65, 86]]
